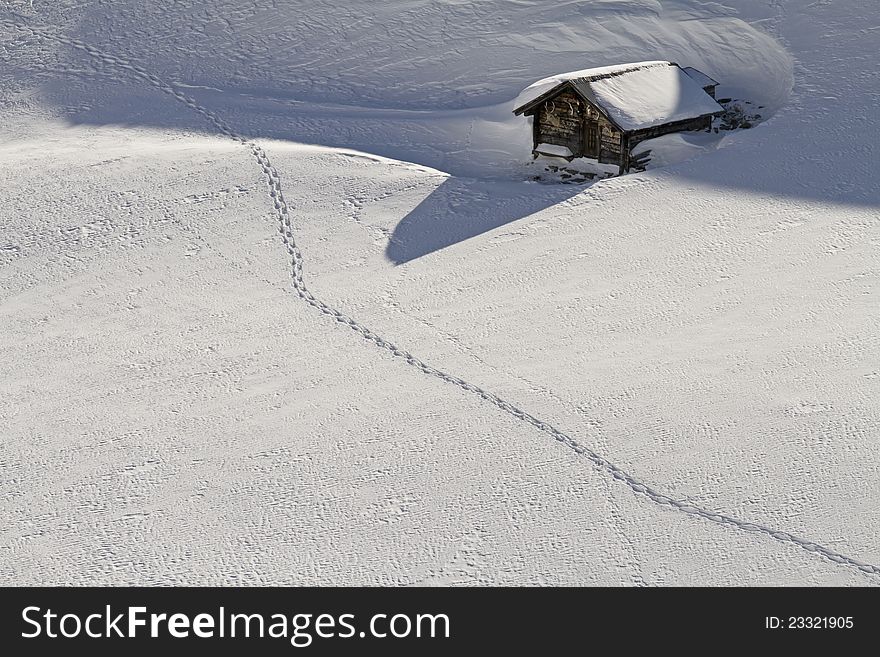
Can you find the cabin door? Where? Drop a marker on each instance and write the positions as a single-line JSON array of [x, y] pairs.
[[591, 139]]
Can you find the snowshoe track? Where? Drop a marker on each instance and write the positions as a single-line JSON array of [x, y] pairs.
[[283, 215]]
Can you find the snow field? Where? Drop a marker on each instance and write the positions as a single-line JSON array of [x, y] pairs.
[[177, 416]]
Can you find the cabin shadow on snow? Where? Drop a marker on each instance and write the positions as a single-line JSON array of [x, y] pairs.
[[462, 208]]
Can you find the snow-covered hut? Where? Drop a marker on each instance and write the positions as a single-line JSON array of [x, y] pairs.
[[602, 113]]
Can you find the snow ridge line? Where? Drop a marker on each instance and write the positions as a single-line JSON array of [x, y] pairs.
[[282, 213]]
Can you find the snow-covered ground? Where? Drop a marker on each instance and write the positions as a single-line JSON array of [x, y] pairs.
[[670, 377]]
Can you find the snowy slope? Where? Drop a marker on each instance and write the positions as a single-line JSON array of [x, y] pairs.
[[177, 409]]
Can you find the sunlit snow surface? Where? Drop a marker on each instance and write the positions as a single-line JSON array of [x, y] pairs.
[[173, 412]]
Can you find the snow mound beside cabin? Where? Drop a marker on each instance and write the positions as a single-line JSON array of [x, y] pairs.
[[667, 150]]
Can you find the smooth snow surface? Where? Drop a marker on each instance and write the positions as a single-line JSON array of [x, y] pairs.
[[674, 148], [457, 374]]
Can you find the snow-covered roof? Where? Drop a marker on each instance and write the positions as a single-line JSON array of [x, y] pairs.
[[699, 77], [634, 96]]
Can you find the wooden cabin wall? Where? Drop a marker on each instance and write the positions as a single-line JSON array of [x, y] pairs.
[[562, 126], [561, 121], [609, 142]]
